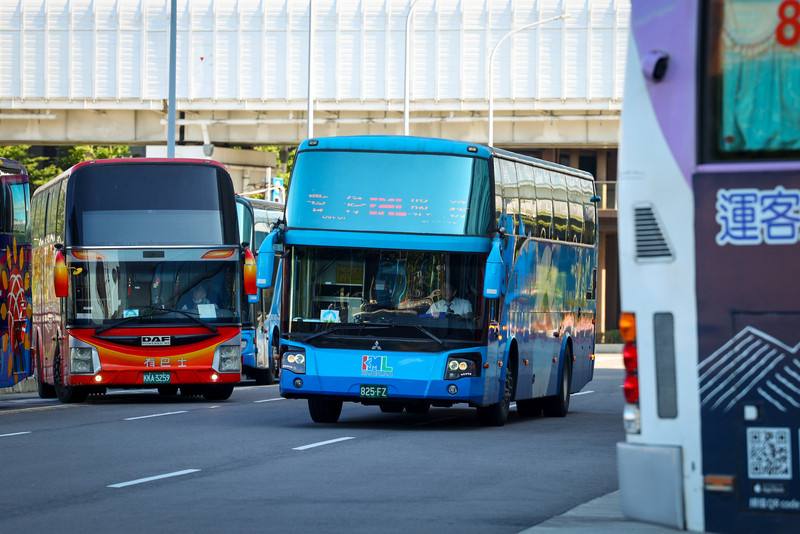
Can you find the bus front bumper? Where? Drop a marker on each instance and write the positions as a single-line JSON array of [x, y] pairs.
[[462, 390], [136, 377]]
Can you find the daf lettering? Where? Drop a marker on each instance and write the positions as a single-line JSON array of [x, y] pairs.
[[155, 341]]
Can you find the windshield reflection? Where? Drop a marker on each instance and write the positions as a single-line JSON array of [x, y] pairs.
[[439, 291]]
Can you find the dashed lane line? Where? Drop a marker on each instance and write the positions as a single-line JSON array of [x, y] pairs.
[[154, 415], [14, 434], [269, 400], [321, 443], [152, 478], [581, 393]]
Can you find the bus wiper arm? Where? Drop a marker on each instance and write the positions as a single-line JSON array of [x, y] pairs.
[[155, 310], [331, 330], [419, 328]]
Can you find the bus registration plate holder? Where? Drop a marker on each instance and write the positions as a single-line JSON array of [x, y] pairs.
[[157, 378], [373, 391]]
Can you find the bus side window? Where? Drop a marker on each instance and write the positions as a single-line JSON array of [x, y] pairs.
[[560, 207], [52, 215], [575, 209], [62, 194], [20, 209], [7, 212], [589, 212], [510, 191], [37, 220], [498, 190], [527, 198], [544, 204]]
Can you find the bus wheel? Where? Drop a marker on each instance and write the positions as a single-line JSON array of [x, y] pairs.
[[392, 408], [167, 391], [497, 414], [263, 377], [529, 408], [324, 410], [419, 408], [45, 390], [558, 406], [66, 394], [219, 392]]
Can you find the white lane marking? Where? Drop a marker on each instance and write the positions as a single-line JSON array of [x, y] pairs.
[[212, 407], [512, 405], [581, 393], [13, 434], [154, 415], [269, 400], [321, 443], [152, 478]]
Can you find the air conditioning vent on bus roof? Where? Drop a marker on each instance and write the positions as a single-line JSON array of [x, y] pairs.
[[651, 244]]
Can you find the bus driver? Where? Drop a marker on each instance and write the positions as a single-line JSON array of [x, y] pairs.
[[450, 304]]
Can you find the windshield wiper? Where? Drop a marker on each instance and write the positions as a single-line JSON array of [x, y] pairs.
[[419, 328], [154, 310], [331, 330]]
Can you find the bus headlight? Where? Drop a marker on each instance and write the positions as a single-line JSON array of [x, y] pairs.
[[81, 360], [228, 359], [294, 359], [462, 366]]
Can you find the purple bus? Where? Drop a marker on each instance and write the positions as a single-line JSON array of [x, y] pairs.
[[710, 254]]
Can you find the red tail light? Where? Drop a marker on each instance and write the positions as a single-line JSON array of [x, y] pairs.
[[249, 272], [630, 358], [631, 388]]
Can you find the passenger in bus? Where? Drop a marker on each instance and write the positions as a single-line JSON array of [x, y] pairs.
[[450, 304]]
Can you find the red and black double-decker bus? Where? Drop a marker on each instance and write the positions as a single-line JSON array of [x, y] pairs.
[[138, 272]]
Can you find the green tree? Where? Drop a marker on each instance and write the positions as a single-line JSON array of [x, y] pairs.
[[41, 169]]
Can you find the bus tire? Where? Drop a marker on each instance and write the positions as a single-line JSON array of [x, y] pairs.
[[66, 394], [263, 377], [167, 391], [218, 392], [497, 414], [45, 390], [391, 408], [558, 406], [324, 410], [418, 408], [529, 407]]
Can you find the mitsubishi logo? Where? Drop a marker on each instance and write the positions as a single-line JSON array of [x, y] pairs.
[[376, 346]]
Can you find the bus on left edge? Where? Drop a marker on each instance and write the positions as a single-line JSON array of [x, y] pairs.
[[15, 291], [136, 282]]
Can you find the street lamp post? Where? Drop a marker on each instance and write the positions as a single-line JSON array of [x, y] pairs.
[[406, 112], [173, 46], [491, 67], [310, 112]]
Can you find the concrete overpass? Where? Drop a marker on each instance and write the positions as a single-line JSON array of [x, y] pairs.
[[95, 71]]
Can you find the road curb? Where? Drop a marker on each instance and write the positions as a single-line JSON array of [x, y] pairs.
[[598, 516]]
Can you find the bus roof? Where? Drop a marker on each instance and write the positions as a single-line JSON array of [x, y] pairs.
[[9, 166], [428, 145]]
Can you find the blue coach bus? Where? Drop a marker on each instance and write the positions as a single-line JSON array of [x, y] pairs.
[[421, 272], [259, 312]]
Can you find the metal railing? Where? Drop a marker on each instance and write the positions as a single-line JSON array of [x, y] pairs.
[[608, 195]]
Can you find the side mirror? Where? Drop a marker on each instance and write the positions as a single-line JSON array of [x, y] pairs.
[[494, 273], [249, 273], [266, 260], [595, 199], [60, 274]]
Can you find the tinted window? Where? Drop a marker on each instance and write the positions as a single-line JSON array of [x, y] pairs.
[[544, 204], [20, 199], [52, 224], [575, 209], [389, 192], [508, 179], [589, 212], [560, 207], [152, 204], [527, 198], [39, 205]]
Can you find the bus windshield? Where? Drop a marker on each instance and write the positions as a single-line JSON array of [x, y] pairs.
[[138, 204], [370, 191], [110, 285], [439, 291]]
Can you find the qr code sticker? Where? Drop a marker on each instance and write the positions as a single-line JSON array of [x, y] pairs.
[[769, 453]]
